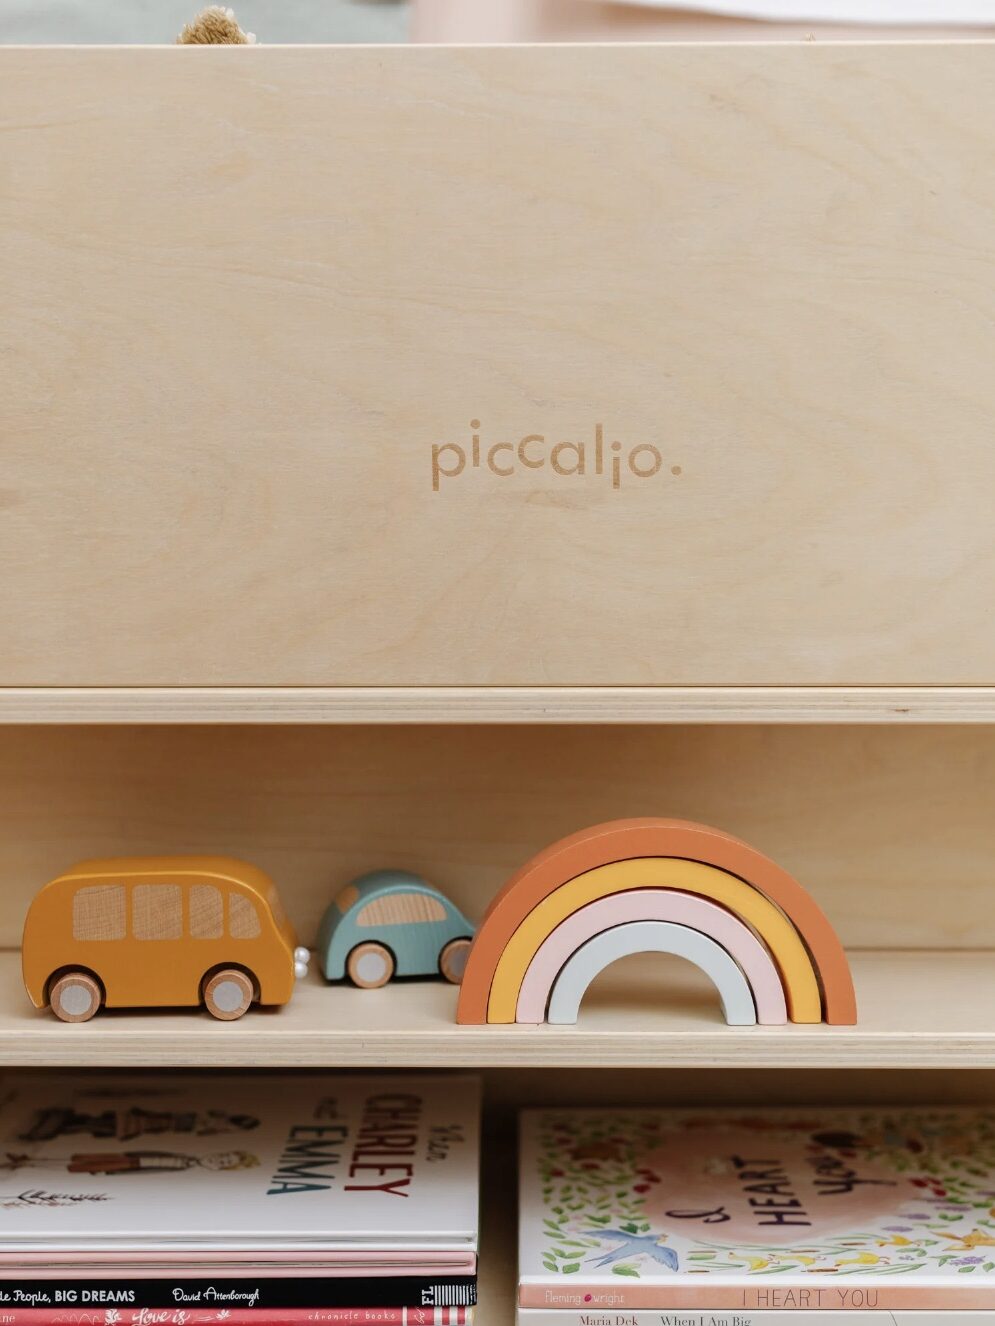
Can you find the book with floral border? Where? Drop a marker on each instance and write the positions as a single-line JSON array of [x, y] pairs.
[[752, 1210]]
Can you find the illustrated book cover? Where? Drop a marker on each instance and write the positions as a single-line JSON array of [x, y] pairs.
[[757, 1210], [311, 1165]]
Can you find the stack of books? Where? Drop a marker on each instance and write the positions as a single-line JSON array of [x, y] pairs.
[[252, 1201], [741, 1218]]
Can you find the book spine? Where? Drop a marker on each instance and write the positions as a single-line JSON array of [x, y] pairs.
[[574, 1317], [594, 1300], [248, 1317], [279, 1294]]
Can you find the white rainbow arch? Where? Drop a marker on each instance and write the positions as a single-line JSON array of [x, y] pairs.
[[622, 941], [681, 909]]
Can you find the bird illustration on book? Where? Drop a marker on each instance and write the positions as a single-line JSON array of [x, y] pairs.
[[863, 1259], [759, 1263], [967, 1242], [633, 1245]]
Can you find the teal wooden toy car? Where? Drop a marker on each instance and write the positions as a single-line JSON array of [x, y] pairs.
[[392, 923]]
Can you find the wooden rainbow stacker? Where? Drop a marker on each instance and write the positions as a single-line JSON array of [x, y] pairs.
[[656, 885]]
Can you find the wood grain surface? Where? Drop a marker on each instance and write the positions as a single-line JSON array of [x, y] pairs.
[[901, 705], [919, 1010], [889, 829], [249, 295]]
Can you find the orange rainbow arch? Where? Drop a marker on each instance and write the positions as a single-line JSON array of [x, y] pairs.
[[608, 862]]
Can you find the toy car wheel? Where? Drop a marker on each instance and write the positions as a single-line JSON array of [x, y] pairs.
[[228, 994], [370, 966], [452, 960], [75, 997]]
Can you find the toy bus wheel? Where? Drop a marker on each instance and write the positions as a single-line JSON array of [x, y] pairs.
[[228, 994], [370, 966], [75, 997], [452, 960]]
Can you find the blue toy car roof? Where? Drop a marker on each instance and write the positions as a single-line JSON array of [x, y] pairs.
[[387, 881], [379, 883]]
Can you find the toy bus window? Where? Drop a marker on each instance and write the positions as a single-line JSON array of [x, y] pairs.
[[275, 905], [401, 909], [99, 912], [207, 912], [157, 911], [243, 919]]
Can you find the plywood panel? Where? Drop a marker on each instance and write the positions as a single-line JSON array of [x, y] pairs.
[[891, 829], [498, 704], [919, 1010], [248, 292]]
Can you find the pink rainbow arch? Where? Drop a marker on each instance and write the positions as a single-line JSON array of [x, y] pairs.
[[733, 935]]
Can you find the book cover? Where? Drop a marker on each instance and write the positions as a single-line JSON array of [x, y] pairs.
[[219, 1164], [723, 1210]]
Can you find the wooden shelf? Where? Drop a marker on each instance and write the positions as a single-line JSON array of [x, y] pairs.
[[499, 704], [918, 1010]]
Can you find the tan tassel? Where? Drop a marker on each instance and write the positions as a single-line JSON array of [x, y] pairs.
[[216, 26]]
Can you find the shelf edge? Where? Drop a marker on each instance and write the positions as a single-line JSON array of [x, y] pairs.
[[497, 704]]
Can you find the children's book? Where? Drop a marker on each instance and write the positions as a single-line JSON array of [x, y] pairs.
[[732, 1211], [377, 1173], [583, 1317]]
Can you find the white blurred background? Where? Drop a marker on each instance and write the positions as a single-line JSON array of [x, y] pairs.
[[155, 21], [276, 21]]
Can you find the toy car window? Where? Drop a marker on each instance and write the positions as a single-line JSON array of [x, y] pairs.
[[401, 909], [243, 919], [99, 912], [157, 911], [346, 898], [207, 912]]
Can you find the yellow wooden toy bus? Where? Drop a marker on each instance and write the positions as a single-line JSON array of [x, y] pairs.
[[156, 932]]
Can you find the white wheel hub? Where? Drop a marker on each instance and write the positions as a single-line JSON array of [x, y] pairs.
[[371, 967], [228, 996], [76, 1000]]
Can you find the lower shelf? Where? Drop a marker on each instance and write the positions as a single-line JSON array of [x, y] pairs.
[[918, 1010]]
